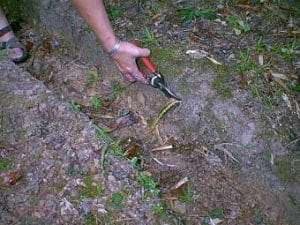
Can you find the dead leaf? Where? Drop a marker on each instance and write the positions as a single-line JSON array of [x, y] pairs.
[[180, 183], [158, 135], [214, 221], [163, 164], [272, 159], [132, 150], [156, 16], [279, 75], [143, 121], [106, 116], [261, 60], [197, 54], [282, 84], [10, 178], [214, 61], [131, 146], [129, 102], [162, 148], [287, 101]]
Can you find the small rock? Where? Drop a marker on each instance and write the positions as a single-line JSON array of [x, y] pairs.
[[67, 208], [231, 57], [220, 6]]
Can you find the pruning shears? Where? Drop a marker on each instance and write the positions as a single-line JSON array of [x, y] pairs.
[[154, 77]]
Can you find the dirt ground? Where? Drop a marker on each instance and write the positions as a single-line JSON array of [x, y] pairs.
[[233, 150]]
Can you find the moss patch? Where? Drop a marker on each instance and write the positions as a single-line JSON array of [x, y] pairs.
[[90, 220], [168, 61], [4, 165], [287, 168], [91, 189], [220, 82]]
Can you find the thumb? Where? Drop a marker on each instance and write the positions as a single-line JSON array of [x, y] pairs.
[[144, 52]]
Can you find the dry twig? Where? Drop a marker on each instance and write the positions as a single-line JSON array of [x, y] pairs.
[[162, 148]]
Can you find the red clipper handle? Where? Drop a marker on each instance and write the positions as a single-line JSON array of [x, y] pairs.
[[148, 64], [146, 61]]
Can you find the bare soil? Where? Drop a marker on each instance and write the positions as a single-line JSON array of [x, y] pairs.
[[241, 158]]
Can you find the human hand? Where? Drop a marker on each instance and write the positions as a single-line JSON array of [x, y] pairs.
[[125, 59]]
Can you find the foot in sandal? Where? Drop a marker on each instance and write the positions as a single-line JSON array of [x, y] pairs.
[[15, 50]]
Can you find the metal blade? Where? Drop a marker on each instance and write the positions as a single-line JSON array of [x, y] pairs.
[[170, 93]]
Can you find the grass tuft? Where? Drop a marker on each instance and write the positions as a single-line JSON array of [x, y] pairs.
[[92, 77], [74, 106], [238, 25], [96, 103], [186, 196], [116, 90], [190, 14], [148, 184], [158, 209]]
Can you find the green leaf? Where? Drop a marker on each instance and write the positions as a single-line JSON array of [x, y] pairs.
[[296, 88]]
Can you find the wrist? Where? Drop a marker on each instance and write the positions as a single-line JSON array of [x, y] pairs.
[[115, 48]]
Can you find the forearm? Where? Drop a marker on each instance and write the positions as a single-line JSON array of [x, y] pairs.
[[94, 13]]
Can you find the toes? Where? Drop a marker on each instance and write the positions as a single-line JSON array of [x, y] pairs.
[[15, 53]]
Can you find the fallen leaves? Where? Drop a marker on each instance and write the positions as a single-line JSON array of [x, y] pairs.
[[197, 54], [200, 54], [10, 178], [180, 183], [214, 61], [279, 75]]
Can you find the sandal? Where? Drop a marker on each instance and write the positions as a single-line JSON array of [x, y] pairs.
[[12, 43]]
